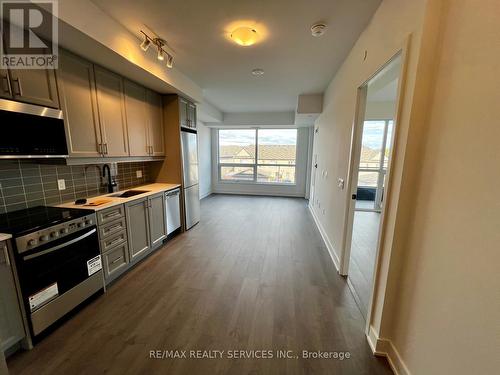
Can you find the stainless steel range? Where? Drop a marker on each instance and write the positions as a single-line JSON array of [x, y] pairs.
[[58, 262]]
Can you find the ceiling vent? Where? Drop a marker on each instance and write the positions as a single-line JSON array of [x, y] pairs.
[[318, 29]]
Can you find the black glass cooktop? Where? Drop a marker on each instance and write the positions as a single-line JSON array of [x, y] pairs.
[[19, 223]]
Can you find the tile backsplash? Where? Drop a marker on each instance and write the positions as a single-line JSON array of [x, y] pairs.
[[26, 184]]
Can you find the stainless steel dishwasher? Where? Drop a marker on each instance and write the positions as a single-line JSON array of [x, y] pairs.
[[173, 207]]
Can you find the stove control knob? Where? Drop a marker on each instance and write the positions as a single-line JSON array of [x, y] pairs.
[[81, 225], [54, 234], [89, 222], [32, 242], [44, 238], [64, 230]]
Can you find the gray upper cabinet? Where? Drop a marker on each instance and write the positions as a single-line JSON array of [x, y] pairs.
[[187, 113], [6, 91], [79, 105], [191, 115], [155, 124], [157, 219], [111, 109], [137, 119], [183, 112], [137, 214], [34, 86]]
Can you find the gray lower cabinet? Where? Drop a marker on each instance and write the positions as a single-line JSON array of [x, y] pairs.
[[157, 219], [146, 224], [113, 241], [137, 213], [115, 262], [11, 322], [129, 232]]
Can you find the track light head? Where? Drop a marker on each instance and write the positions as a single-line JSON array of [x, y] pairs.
[[160, 56], [170, 61], [145, 43]]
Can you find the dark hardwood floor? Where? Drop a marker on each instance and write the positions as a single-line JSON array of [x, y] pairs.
[[253, 275]]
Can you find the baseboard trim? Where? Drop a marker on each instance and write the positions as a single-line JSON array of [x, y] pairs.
[[207, 194], [259, 193], [326, 240], [385, 348]]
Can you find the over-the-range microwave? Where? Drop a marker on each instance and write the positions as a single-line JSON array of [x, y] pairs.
[[30, 131]]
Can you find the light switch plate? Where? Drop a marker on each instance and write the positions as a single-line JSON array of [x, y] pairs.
[[138, 173], [61, 184]]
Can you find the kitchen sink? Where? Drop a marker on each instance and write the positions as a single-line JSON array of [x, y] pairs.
[[129, 193]]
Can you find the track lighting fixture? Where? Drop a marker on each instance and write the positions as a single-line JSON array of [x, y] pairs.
[[161, 52]]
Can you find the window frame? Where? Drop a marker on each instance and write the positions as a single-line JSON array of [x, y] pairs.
[[256, 164]]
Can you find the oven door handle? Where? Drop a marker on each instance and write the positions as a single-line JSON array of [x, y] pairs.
[[32, 256]]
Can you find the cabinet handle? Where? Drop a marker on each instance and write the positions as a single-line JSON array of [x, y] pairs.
[[112, 215], [113, 227], [114, 241], [116, 260], [20, 89], [105, 148], [6, 84]]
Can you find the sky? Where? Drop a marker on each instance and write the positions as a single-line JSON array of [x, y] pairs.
[[243, 137], [373, 133]]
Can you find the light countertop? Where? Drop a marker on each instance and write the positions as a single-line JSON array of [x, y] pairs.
[[5, 237], [114, 201]]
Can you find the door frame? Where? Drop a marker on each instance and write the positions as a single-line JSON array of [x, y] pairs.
[[352, 178]]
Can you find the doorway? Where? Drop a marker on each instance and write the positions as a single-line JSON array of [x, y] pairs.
[[371, 154]]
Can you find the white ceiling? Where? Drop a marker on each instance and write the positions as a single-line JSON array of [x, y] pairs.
[[294, 61]]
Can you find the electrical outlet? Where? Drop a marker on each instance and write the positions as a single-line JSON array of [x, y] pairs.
[[138, 173], [61, 184]]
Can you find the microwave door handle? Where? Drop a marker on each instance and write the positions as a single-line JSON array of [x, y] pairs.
[[52, 249]]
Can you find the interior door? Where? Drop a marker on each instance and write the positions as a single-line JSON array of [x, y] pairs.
[[189, 158], [110, 103]]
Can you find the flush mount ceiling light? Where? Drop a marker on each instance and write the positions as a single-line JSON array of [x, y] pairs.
[[318, 29], [160, 44], [258, 72], [244, 36]]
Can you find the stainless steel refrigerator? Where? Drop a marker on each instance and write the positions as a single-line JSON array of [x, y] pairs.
[[190, 167]]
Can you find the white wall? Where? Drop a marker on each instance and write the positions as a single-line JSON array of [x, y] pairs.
[[437, 299], [298, 190], [447, 302], [204, 159]]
